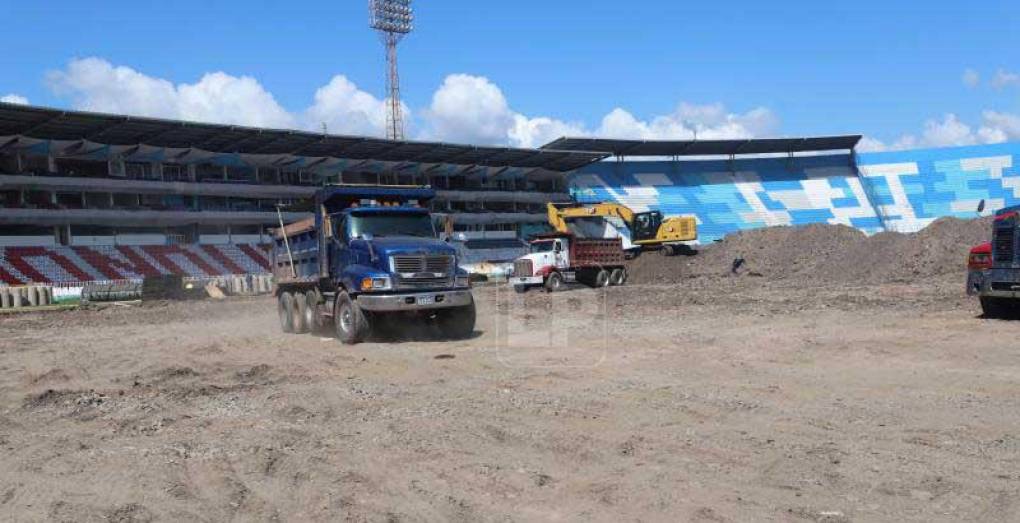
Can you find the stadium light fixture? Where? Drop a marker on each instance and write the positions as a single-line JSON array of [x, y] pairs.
[[392, 19]]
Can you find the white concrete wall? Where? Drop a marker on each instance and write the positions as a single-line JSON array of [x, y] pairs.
[[141, 239], [93, 240], [27, 241]]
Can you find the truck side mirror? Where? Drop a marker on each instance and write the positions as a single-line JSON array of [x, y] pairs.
[[981, 206]]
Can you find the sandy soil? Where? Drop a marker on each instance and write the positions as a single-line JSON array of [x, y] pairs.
[[718, 400]]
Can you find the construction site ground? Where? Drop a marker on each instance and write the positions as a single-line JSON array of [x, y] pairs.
[[716, 398]]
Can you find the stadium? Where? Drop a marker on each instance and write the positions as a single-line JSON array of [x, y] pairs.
[[96, 197]]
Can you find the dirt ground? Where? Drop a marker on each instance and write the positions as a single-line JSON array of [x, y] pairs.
[[727, 399]]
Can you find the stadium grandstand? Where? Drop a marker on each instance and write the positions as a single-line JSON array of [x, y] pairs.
[[87, 196], [735, 185]]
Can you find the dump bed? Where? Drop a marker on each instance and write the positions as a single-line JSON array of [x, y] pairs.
[[296, 252], [588, 252]]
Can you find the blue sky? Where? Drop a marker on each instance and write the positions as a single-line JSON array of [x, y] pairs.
[[879, 68]]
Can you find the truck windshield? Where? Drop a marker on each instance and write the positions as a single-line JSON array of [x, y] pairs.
[[391, 224], [541, 246]]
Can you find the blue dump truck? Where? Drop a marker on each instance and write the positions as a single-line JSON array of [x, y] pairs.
[[367, 261]]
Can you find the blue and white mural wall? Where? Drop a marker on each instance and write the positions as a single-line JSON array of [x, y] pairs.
[[911, 189], [900, 191]]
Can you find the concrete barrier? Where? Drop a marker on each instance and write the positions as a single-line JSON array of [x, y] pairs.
[[63, 293]]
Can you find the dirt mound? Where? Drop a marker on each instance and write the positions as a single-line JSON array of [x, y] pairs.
[[825, 253]]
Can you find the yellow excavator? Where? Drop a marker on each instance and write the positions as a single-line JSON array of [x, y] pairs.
[[646, 230]]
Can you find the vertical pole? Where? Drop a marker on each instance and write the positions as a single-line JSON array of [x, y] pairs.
[[395, 127], [286, 242]]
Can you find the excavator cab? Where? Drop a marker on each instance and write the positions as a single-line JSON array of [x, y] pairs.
[[646, 226]]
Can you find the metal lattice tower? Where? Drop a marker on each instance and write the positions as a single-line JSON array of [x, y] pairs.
[[392, 19]]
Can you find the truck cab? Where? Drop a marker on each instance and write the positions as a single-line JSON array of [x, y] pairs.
[[370, 253], [993, 268]]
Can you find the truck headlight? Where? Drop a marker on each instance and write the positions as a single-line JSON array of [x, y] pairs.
[[462, 280], [376, 283]]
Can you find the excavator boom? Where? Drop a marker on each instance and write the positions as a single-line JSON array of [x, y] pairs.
[[647, 229]]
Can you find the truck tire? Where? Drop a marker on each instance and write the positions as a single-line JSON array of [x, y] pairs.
[[284, 304], [457, 323], [299, 313], [352, 323], [601, 279], [618, 276], [313, 312], [554, 282], [996, 308]]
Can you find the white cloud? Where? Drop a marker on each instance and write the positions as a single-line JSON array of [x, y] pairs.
[[1004, 79], [536, 132], [14, 99], [996, 127], [465, 108], [470, 109], [95, 84], [999, 127], [708, 122], [949, 131], [473, 109], [971, 78], [346, 109]]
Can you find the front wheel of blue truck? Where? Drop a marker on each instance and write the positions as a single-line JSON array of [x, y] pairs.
[[352, 324], [457, 322], [998, 308]]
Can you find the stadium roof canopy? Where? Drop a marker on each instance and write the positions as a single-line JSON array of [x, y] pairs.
[[705, 147], [95, 129]]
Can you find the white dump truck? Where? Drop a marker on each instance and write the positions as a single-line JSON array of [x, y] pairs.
[[557, 259]]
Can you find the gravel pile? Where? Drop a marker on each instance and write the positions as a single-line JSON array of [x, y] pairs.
[[826, 254]]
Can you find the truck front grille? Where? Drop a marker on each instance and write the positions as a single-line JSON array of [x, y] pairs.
[[410, 264], [424, 283], [523, 268], [423, 271], [1004, 245]]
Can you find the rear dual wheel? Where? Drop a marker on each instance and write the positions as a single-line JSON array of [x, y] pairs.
[[313, 312], [299, 312], [284, 306]]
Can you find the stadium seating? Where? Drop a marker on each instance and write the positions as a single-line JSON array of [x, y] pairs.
[[21, 265], [900, 191]]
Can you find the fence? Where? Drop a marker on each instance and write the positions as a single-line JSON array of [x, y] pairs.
[[15, 297]]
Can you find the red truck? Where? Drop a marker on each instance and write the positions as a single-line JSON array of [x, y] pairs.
[[993, 268], [556, 259]]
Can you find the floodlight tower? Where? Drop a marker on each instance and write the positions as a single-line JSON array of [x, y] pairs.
[[392, 19]]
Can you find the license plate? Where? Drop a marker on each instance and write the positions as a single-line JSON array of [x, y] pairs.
[[426, 300]]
